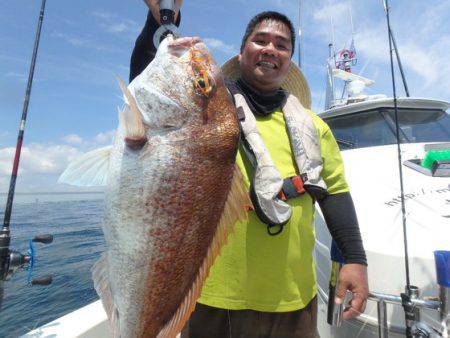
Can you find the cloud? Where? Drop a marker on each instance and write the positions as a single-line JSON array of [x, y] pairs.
[[72, 139], [124, 26], [80, 41], [219, 45], [337, 10], [38, 159], [104, 14], [113, 23], [99, 140], [42, 163], [105, 138]]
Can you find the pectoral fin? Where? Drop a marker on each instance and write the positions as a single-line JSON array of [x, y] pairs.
[[88, 170]]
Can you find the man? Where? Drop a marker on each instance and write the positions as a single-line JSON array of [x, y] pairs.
[[263, 284]]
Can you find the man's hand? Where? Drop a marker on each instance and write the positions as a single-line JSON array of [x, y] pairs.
[[154, 8], [353, 277]]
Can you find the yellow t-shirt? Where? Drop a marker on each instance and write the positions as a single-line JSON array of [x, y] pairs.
[[274, 273]]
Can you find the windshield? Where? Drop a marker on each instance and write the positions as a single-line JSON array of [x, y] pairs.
[[377, 127]]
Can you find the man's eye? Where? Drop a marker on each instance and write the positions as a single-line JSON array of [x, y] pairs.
[[260, 42]]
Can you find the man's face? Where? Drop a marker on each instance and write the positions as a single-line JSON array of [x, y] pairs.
[[265, 58]]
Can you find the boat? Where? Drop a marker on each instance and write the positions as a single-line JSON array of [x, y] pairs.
[[365, 132], [365, 128]]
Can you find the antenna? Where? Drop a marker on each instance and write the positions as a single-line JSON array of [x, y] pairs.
[[300, 33], [397, 54]]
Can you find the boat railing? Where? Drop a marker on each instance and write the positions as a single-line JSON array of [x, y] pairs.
[[410, 301]]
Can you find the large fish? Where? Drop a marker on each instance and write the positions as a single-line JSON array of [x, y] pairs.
[[173, 191]]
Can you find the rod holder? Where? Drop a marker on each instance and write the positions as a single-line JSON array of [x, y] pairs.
[[334, 311]]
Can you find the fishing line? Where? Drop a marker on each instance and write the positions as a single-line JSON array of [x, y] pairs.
[[405, 237]]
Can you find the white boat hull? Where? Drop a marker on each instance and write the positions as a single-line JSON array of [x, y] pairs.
[[372, 174]]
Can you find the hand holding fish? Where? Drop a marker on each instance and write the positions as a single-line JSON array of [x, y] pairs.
[[353, 277]]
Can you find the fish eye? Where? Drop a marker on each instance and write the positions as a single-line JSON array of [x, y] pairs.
[[204, 86]]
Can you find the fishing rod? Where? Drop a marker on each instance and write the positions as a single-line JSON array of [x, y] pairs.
[[11, 260], [409, 290], [410, 299]]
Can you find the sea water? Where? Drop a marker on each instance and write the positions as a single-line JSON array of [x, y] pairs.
[[75, 222]]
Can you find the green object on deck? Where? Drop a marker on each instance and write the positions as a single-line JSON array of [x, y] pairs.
[[433, 156]]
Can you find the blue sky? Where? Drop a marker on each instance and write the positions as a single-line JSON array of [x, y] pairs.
[[85, 43]]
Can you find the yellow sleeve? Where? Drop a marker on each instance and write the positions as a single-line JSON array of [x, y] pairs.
[[333, 167]]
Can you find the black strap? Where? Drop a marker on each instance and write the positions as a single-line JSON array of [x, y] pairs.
[[275, 232]]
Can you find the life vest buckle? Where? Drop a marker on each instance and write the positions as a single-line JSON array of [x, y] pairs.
[[292, 187]]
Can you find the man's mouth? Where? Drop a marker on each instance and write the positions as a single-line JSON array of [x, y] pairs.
[[267, 64]]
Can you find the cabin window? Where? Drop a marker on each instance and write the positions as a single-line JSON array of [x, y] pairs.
[[377, 127]]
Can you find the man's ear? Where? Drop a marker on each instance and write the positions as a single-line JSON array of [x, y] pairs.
[[239, 57]]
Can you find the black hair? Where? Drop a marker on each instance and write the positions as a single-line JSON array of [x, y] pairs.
[[269, 15]]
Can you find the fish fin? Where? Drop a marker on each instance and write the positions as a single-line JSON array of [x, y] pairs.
[[131, 117], [102, 286], [233, 212], [90, 169]]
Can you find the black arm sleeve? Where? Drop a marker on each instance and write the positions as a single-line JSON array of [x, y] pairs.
[[340, 216], [144, 51]]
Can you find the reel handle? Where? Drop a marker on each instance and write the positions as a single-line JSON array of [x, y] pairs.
[[44, 239], [42, 281]]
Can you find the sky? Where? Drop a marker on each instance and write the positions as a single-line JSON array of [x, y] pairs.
[[84, 44]]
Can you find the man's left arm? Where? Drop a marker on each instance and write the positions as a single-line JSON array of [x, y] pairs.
[[340, 216]]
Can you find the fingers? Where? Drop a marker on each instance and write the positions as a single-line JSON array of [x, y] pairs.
[[340, 293], [353, 277], [185, 41], [357, 307]]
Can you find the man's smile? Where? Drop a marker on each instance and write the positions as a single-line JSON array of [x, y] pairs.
[[267, 64]]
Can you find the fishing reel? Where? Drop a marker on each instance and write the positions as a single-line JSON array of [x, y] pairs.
[[11, 261]]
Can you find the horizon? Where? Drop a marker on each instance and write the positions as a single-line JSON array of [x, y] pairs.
[[83, 45]]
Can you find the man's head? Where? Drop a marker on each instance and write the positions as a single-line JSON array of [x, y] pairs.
[[266, 51]]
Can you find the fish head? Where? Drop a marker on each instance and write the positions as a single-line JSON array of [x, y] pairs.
[[177, 87]]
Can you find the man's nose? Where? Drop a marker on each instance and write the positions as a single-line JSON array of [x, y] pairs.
[[269, 49]]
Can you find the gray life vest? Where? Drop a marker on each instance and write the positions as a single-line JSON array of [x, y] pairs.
[[267, 182]]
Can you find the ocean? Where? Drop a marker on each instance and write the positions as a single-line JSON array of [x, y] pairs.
[[75, 222]]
